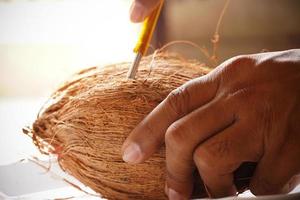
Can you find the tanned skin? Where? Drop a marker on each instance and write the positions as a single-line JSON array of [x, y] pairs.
[[246, 109]]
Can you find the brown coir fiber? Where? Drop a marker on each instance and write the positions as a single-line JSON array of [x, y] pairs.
[[88, 118]]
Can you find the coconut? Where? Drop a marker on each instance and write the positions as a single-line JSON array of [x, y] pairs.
[[88, 118]]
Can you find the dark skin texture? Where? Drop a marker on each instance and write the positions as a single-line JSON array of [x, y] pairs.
[[247, 109]]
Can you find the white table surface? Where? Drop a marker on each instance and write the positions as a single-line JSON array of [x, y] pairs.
[[27, 180]]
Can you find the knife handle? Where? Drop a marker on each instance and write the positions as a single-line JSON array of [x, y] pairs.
[[147, 30]]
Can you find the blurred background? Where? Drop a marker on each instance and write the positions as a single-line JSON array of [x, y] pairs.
[[248, 26], [42, 42]]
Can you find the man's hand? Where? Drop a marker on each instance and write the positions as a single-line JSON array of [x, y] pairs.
[[140, 9], [247, 109]]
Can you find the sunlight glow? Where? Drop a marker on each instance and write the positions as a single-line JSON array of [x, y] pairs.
[[53, 39]]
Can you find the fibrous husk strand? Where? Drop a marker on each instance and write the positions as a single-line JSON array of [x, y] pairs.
[[88, 118]]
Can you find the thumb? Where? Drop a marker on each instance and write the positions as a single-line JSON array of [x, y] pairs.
[[140, 9]]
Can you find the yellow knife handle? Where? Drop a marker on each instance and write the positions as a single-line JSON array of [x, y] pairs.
[[147, 30]]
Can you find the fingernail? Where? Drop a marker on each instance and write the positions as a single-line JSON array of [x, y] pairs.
[[137, 12], [173, 195], [132, 154]]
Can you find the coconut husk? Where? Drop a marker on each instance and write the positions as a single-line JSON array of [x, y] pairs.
[[88, 118]]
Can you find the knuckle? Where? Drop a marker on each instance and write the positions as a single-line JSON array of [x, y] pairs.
[[175, 134], [178, 100], [203, 159], [242, 60], [215, 157], [149, 130], [219, 148], [236, 66]]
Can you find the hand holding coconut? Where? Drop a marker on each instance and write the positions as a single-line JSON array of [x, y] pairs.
[[247, 109], [140, 9]]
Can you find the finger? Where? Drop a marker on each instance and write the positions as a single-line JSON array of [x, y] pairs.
[[276, 171], [140, 9], [149, 134], [218, 158], [184, 135]]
